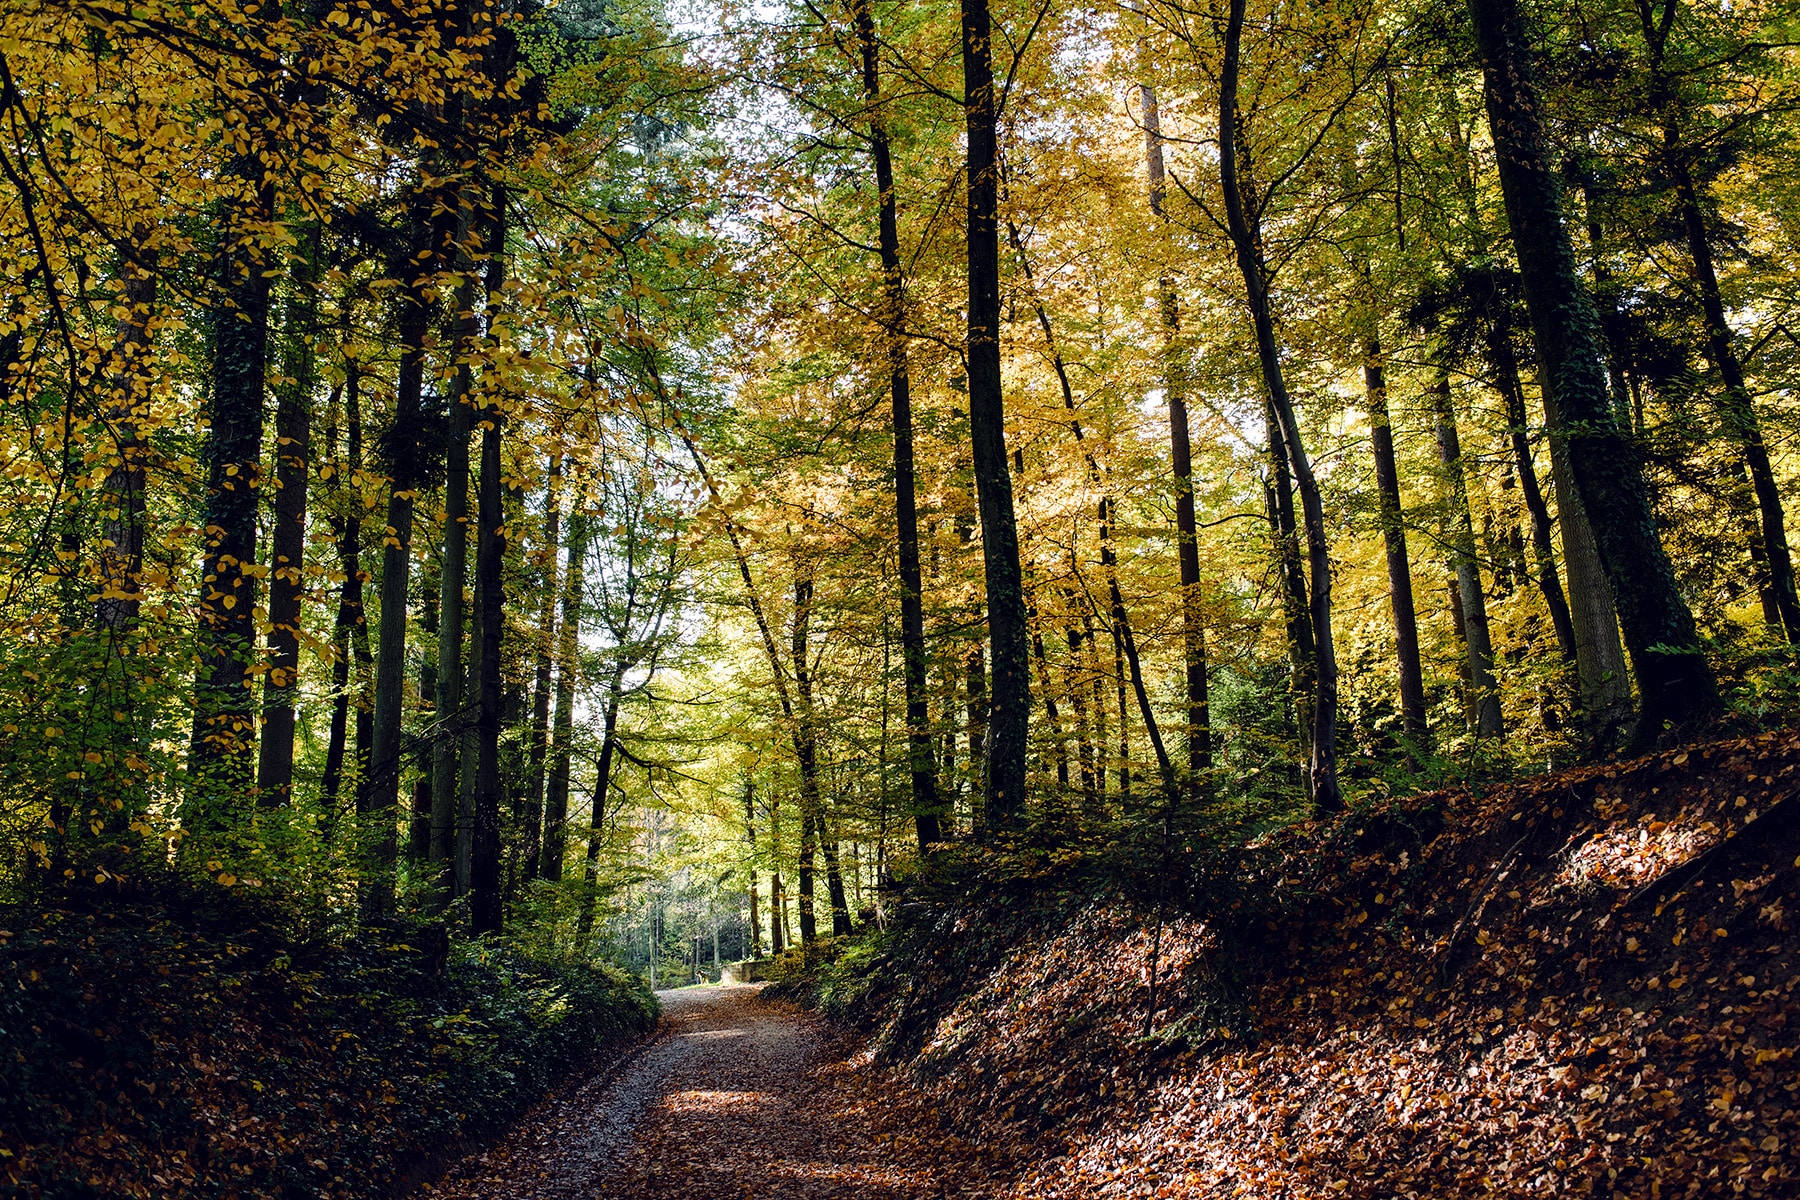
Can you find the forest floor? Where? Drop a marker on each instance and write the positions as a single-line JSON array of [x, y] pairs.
[[735, 1097]]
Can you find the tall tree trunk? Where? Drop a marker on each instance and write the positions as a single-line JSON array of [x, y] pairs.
[[568, 668], [224, 728], [1009, 711], [1738, 409], [287, 542], [1518, 431], [807, 752], [1678, 692], [1484, 696], [1059, 744], [1246, 242], [485, 899], [1393, 537], [446, 745], [490, 552], [750, 887], [547, 642], [122, 495], [1078, 698], [1278, 496], [350, 632], [925, 803], [1193, 625], [603, 775], [383, 783]]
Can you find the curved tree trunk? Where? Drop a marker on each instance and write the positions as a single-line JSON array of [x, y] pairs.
[[1246, 243]]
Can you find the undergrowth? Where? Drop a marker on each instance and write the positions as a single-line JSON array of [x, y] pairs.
[[184, 1040]]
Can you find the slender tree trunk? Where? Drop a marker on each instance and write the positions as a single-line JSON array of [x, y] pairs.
[[568, 668], [603, 775], [446, 744], [1738, 409], [1059, 745], [1543, 550], [1193, 625], [540, 693], [1073, 685], [1246, 243], [1676, 686], [350, 631], [1393, 537], [490, 551], [927, 817], [287, 546], [485, 900], [807, 752], [1278, 495], [1599, 655], [750, 887], [224, 728], [1484, 698], [383, 782], [1121, 686], [1009, 715], [122, 495]]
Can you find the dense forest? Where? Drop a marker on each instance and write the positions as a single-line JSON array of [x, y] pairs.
[[546, 498]]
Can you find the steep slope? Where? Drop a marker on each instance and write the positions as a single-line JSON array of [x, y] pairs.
[[1578, 985]]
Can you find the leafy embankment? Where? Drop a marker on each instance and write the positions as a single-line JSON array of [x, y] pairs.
[[194, 1045], [1580, 984]]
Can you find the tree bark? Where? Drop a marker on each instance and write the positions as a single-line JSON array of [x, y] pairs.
[[485, 899], [750, 887], [1518, 432], [568, 669], [1677, 689], [1484, 688], [1009, 710], [603, 774], [1187, 534], [287, 547], [547, 641], [1738, 410], [224, 728], [350, 629], [383, 783], [927, 818], [1278, 496], [446, 744], [122, 496], [1245, 240], [490, 551], [1393, 536], [806, 750]]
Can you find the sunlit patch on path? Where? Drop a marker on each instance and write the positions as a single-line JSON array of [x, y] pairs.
[[737, 1098]]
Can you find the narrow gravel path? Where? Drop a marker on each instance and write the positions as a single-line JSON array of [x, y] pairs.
[[737, 1097]]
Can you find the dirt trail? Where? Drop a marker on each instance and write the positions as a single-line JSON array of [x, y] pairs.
[[736, 1097]]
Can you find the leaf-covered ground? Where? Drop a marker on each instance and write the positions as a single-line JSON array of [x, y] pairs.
[[1579, 985], [186, 1044]]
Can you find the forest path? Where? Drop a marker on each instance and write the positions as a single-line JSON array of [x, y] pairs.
[[735, 1098]]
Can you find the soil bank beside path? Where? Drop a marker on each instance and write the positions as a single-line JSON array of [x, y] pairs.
[[735, 1097]]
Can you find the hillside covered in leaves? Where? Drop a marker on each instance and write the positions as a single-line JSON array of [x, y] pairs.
[[1580, 985]]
